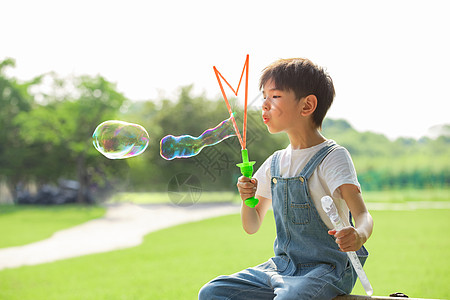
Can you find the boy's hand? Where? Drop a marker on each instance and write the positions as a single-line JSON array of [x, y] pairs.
[[246, 187], [348, 238]]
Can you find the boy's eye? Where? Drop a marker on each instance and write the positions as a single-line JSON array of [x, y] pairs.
[[271, 97]]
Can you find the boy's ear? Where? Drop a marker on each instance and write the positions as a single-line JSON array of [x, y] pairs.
[[309, 105]]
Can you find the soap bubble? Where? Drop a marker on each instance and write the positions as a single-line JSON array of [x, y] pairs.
[[185, 146], [117, 139]]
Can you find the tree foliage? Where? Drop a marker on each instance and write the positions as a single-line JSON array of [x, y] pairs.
[[404, 162], [52, 140]]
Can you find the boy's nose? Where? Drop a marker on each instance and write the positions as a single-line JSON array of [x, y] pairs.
[[266, 105]]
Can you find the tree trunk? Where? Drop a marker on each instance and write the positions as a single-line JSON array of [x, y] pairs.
[[82, 178], [11, 184]]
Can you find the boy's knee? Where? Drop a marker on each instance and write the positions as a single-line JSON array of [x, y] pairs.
[[206, 292]]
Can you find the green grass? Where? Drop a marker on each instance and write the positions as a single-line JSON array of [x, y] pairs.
[[408, 195], [21, 225], [163, 197], [401, 195], [409, 253]]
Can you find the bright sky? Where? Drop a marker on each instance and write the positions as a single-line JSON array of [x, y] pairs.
[[389, 59]]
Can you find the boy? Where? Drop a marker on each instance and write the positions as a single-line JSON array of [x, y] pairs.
[[310, 260]]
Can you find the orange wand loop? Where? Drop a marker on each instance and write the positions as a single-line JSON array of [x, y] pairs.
[[246, 166]]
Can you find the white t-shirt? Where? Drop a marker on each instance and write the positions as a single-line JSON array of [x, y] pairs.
[[335, 170]]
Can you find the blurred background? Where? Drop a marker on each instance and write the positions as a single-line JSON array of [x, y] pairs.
[[65, 67]]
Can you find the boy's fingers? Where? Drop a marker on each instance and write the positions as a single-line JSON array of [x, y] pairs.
[[342, 242], [347, 244], [248, 190], [345, 249], [245, 186], [348, 247], [244, 182], [243, 179], [339, 234], [344, 231]]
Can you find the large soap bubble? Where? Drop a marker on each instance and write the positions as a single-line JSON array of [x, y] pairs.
[[117, 139]]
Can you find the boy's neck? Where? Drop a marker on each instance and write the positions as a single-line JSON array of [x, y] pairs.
[[305, 139]]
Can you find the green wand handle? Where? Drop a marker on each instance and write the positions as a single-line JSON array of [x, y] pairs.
[[247, 171]]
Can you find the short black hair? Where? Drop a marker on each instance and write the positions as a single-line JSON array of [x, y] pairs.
[[304, 78]]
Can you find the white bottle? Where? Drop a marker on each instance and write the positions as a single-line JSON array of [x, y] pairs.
[[331, 210]]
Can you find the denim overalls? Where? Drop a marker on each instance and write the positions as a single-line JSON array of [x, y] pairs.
[[307, 262]]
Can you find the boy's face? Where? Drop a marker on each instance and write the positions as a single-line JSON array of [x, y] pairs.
[[281, 111]]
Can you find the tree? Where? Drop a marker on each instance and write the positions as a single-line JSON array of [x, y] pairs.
[[14, 99], [65, 123]]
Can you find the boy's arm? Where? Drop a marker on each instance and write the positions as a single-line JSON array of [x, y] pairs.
[[252, 217], [352, 238]]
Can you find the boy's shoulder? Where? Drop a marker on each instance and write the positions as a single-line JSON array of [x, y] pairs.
[[338, 154]]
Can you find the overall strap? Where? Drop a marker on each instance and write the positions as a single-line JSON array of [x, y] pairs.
[[275, 165], [317, 159]]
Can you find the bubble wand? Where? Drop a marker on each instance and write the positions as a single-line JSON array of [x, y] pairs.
[[331, 210], [246, 166]]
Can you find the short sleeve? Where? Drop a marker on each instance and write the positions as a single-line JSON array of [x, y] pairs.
[[263, 176], [338, 169]]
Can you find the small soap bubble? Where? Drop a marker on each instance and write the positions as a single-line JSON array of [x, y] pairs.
[[117, 139]]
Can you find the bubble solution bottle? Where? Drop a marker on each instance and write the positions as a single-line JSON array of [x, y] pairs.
[[331, 211]]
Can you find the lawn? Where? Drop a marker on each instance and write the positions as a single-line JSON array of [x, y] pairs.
[[391, 196], [24, 224], [409, 253], [163, 197]]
